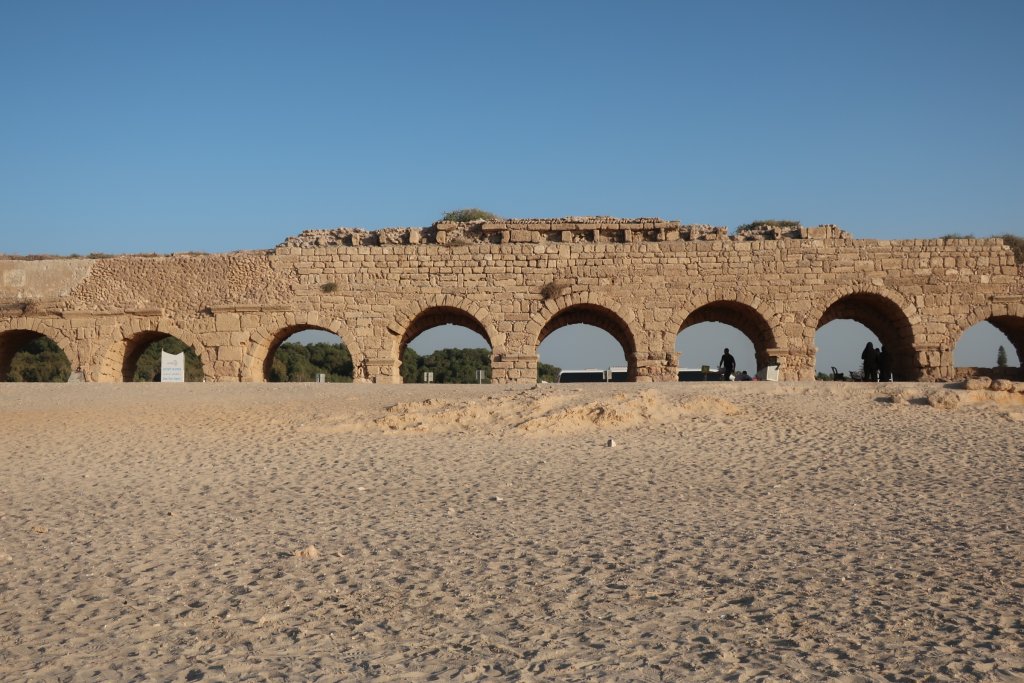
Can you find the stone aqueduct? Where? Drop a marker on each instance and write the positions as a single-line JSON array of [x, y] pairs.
[[515, 282]]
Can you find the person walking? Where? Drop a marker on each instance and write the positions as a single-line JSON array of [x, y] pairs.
[[870, 359], [727, 364], [884, 369]]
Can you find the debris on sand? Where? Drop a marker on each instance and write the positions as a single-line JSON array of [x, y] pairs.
[[308, 553]]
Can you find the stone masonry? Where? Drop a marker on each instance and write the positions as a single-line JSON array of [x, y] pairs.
[[515, 282]]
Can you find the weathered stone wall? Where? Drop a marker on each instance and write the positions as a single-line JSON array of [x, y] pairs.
[[517, 281], [41, 280]]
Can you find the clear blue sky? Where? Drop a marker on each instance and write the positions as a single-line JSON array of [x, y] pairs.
[[140, 127]]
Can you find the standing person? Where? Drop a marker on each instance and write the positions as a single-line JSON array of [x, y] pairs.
[[884, 371], [727, 364], [870, 363]]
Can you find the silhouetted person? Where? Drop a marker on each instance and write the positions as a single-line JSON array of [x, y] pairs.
[[870, 359], [727, 365], [884, 367]]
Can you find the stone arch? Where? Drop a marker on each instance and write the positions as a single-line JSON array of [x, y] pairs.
[[117, 363], [431, 312], [446, 310], [20, 331], [1008, 318], [573, 309], [744, 316], [267, 339], [887, 314]]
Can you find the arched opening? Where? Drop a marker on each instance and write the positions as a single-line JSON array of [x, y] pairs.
[[28, 356], [448, 343], [142, 357], [587, 337], [991, 347], [841, 344], [307, 353], [720, 325]]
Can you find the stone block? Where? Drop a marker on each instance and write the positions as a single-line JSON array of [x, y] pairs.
[[229, 353], [523, 236], [228, 322]]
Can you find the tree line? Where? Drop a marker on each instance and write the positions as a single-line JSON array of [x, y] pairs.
[[294, 362], [41, 360]]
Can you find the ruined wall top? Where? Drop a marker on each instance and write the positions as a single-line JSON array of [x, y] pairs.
[[567, 229]]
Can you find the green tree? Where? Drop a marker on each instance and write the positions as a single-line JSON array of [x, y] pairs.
[[1001, 358], [40, 360], [278, 371], [450, 366], [547, 373], [411, 372], [459, 366], [294, 362]]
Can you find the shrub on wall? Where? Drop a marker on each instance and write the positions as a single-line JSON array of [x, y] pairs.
[[467, 215], [552, 290], [770, 223]]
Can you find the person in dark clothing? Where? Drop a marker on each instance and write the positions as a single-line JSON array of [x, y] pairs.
[[884, 368], [727, 365], [870, 359]]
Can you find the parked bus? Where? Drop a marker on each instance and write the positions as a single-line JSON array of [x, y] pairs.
[[593, 375], [698, 375]]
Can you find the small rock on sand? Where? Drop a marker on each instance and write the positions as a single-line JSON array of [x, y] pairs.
[[900, 396], [611, 443], [308, 553], [947, 400]]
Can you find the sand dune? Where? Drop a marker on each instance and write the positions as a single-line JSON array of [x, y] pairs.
[[745, 531], [539, 410]]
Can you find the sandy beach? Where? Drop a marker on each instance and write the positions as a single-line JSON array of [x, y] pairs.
[[696, 531]]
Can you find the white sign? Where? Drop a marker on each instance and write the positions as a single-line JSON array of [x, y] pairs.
[[172, 367]]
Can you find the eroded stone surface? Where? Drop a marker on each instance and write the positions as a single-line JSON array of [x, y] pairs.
[[515, 282]]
